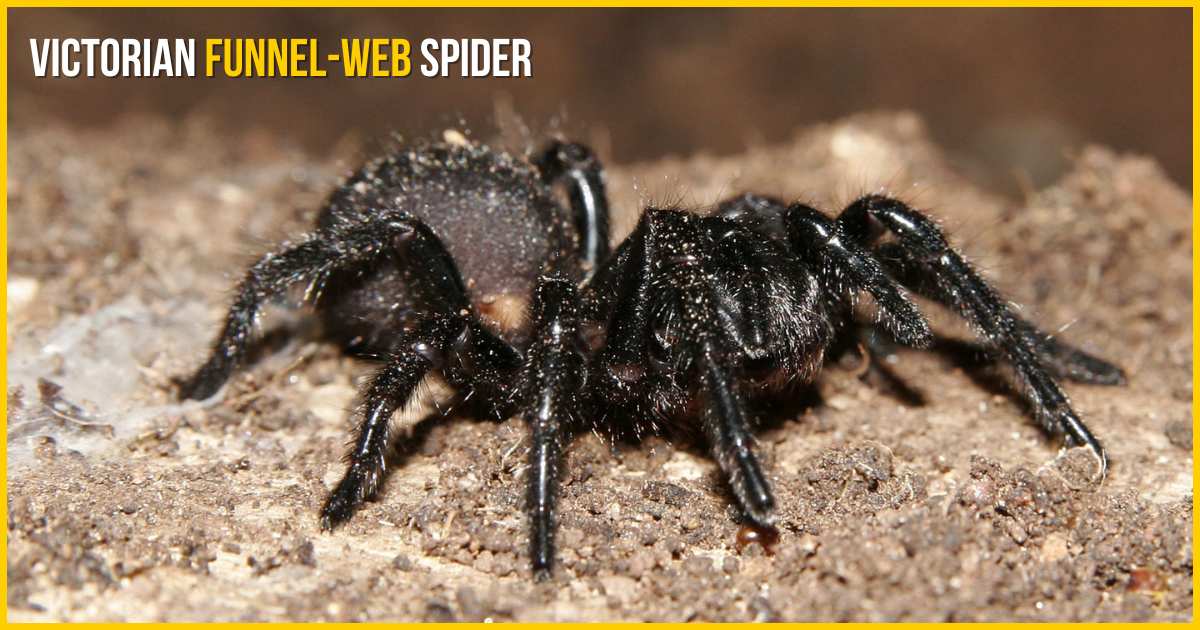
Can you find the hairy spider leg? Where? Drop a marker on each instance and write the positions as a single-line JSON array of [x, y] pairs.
[[578, 168], [1061, 359], [963, 290], [466, 354], [619, 295], [477, 354], [674, 256], [551, 384], [843, 265], [727, 430], [450, 339], [389, 389], [773, 311], [312, 260]]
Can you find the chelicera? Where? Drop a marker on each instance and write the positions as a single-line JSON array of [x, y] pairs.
[[456, 259]]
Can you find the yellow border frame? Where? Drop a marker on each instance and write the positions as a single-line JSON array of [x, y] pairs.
[[597, 4], [10, 4], [212, 4]]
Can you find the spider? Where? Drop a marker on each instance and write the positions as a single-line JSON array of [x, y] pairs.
[[462, 260]]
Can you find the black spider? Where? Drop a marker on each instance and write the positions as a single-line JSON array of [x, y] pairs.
[[426, 257]]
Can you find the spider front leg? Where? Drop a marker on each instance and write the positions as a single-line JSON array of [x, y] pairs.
[[619, 294], [678, 256], [843, 265], [728, 433], [550, 396], [968, 294], [464, 352], [339, 247], [390, 388]]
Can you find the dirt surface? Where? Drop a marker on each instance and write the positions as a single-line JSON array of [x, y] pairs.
[[916, 490]]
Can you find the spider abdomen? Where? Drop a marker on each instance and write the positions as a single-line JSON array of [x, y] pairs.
[[492, 212]]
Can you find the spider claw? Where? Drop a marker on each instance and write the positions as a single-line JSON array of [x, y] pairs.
[[204, 384], [341, 503], [335, 513], [1077, 434], [1101, 456], [542, 574], [1102, 461]]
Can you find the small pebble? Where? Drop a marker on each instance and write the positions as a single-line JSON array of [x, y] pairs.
[[698, 565], [1179, 433]]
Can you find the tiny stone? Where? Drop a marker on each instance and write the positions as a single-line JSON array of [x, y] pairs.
[[1179, 433], [698, 565], [45, 449], [619, 587], [502, 565], [483, 562], [570, 538], [1015, 531], [469, 604], [1055, 548], [306, 554], [438, 611], [639, 564]]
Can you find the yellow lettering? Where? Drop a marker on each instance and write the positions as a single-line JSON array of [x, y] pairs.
[[354, 57], [210, 56], [400, 63], [238, 54], [378, 57], [314, 60], [254, 58], [295, 57]]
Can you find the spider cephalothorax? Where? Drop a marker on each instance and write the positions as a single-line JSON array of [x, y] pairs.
[[459, 259]]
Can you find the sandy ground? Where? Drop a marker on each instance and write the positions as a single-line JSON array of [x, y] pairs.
[[918, 490]]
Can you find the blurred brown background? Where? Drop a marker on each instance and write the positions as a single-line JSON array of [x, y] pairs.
[[1009, 92]]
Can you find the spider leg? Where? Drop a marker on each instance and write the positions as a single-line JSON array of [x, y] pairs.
[[1061, 359], [470, 358], [390, 388], [577, 167], [550, 387], [844, 266], [968, 294], [619, 295], [1067, 361], [713, 342], [727, 430], [342, 246]]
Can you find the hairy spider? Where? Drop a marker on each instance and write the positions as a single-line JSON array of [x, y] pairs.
[[459, 259]]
